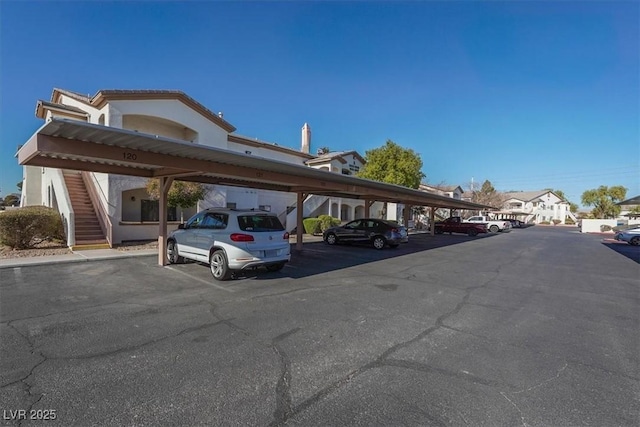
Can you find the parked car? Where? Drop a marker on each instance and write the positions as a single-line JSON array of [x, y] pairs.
[[493, 225], [230, 240], [378, 232], [630, 235], [515, 223], [455, 224]]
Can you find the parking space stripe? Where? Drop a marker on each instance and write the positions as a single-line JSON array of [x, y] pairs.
[[200, 280]]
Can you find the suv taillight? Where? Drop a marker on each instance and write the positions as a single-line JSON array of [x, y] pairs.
[[239, 237], [285, 236]]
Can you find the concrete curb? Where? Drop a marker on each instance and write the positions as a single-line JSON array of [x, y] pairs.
[[79, 256]]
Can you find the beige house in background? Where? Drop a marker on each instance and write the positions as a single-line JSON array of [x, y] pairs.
[[534, 207]]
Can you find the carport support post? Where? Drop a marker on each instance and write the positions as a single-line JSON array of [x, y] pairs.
[[367, 208], [432, 220], [165, 184], [299, 216], [406, 215]]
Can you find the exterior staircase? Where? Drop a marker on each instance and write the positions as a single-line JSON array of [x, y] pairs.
[[89, 234]]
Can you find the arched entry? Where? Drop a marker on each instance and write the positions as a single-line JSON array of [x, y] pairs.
[[334, 210], [359, 212], [345, 213]]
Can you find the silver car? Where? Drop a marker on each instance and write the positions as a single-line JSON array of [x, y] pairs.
[[630, 235], [230, 240]]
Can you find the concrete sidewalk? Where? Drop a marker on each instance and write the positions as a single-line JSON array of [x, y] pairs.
[[77, 256]]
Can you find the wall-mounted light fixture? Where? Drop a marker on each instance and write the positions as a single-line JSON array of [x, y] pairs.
[[133, 198]]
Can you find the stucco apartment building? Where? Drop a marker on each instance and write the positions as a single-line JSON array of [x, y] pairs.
[[122, 201], [535, 207]]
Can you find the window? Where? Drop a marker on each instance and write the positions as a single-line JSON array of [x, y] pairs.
[[149, 210], [231, 205], [259, 223], [216, 221], [194, 221], [353, 225]]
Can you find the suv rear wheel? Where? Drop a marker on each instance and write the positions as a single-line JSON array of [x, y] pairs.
[[218, 265]]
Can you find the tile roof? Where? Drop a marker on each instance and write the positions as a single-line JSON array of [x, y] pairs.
[[631, 201], [526, 196], [334, 155], [41, 105], [104, 95]]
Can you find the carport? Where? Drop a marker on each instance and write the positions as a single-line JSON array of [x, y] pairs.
[[70, 144]]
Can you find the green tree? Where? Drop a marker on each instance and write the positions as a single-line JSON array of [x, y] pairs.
[[573, 207], [323, 150], [393, 164], [604, 199], [11, 200], [487, 195], [183, 194]]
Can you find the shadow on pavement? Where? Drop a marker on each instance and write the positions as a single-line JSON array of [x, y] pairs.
[[318, 257], [623, 248]]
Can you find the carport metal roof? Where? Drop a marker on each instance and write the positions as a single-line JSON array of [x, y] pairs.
[[71, 144]]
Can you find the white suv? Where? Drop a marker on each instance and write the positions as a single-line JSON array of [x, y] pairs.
[[230, 239]]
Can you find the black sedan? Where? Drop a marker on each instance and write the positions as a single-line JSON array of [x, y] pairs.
[[378, 232]]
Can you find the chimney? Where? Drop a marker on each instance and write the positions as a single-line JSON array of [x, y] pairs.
[[306, 138]]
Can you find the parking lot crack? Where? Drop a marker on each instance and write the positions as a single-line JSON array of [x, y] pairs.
[[63, 312], [283, 387], [421, 367], [544, 382], [524, 422], [603, 369], [383, 359], [25, 380], [409, 407], [141, 345], [283, 410]]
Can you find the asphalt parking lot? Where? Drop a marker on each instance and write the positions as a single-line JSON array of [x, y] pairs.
[[537, 327]]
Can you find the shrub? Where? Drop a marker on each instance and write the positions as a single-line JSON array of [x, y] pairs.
[[544, 223], [556, 221], [24, 228], [605, 227], [327, 221], [569, 221], [311, 225]]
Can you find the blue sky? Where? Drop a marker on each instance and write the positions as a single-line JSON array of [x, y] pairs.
[[528, 95]]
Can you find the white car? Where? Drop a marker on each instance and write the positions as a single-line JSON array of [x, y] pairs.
[[630, 235], [230, 240]]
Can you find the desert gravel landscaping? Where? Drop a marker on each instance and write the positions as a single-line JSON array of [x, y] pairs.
[[57, 248]]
